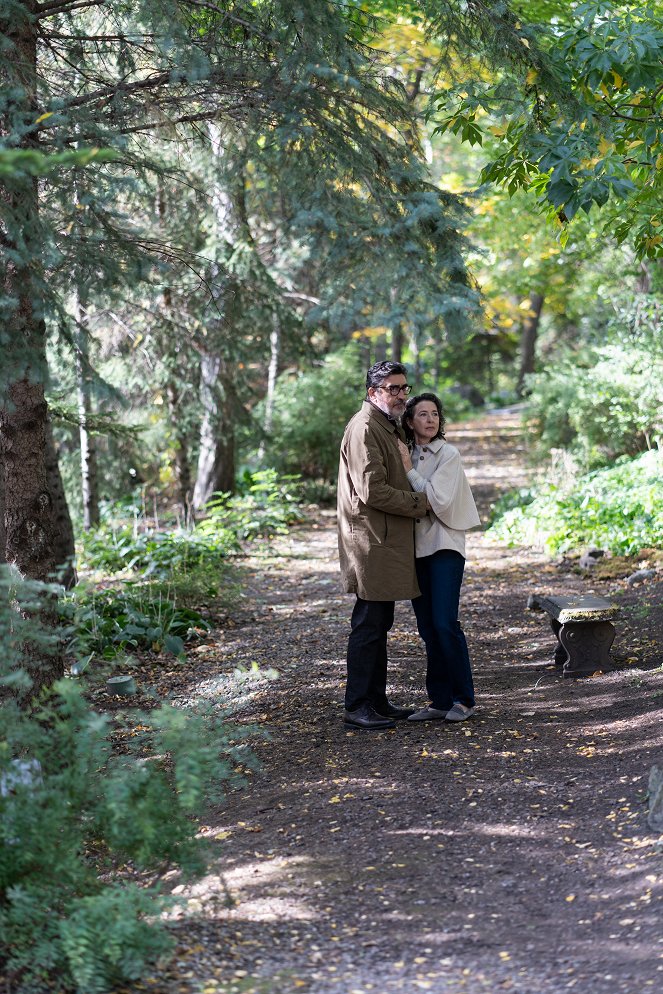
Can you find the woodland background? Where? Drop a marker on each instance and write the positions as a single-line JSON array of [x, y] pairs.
[[213, 218]]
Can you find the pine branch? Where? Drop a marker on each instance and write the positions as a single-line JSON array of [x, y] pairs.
[[225, 15], [64, 7]]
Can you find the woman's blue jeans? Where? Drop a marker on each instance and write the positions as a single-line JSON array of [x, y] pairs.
[[448, 671]]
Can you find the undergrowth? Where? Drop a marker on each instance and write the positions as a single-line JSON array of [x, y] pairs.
[[89, 803], [618, 509], [108, 622], [161, 578]]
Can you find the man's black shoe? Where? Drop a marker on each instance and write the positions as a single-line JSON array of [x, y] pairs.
[[391, 711], [366, 717]]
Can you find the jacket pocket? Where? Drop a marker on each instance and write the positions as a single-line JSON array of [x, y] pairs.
[[373, 527]]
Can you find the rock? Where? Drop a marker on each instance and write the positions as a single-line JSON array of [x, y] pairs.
[[590, 557], [122, 686], [640, 576], [655, 817]]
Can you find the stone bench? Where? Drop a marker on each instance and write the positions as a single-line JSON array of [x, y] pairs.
[[584, 630]]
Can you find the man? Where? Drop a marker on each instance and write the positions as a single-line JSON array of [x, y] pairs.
[[376, 514]]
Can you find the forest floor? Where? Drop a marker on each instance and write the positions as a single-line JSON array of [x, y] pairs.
[[510, 852]]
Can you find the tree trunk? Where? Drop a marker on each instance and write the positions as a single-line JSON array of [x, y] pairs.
[[417, 370], [272, 373], [64, 544], [3, 533], [173, 395], [181, 444], [29, 507], [397, 343], [528, 340], [216, 459], [89, 484]]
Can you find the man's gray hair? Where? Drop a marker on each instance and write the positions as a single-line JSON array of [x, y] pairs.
[[379, 372]]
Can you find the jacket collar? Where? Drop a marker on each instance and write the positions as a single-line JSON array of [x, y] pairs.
[[376, 412], [433, 446]]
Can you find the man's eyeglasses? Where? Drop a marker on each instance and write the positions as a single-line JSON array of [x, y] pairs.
[[394, 389]]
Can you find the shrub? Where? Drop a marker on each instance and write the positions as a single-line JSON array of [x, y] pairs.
[[311, 410], [158, 554], [107, 622], [600, 406], [618, 509], [80, 796], [266, 505]]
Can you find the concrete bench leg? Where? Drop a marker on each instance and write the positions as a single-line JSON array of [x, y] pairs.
[[561, 655], [583, 647]]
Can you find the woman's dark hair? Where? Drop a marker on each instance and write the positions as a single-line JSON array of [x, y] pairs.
[[379, 372], [411, 404]]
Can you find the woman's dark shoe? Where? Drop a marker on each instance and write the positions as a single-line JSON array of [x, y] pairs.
[[366, 717]]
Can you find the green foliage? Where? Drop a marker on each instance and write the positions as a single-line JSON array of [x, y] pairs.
[[107, 622], [599, 405], [15, 163], [617, 509], [158, 554], [181, 567], [110, 935], [80, 795], [22, 639], [575, 110], [311, 410], [266, 505]]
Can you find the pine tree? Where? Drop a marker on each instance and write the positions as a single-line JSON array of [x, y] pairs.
[[80, 75]]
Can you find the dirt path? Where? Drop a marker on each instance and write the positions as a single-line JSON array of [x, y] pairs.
[[508, 853]]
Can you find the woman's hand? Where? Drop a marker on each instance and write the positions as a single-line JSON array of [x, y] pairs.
[[405, 455]]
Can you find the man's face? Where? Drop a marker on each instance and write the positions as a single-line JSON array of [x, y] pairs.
[[390, 401]]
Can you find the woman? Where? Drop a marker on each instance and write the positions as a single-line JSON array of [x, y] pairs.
[[440, 562]]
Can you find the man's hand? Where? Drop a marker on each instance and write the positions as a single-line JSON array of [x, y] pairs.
[[405, 455]]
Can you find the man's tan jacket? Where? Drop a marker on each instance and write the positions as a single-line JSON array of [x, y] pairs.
[[376, 511]]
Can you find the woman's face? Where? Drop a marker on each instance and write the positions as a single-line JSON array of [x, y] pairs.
[[425, 421]]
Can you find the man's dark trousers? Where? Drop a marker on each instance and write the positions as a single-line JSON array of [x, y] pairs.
[[367, 654]]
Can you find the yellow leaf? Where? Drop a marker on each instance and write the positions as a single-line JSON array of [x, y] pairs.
[[43, 117], [619, 82], [531, 77], [635, 143], [570, 898], [504, 955], [525, 42], [605, 146], [335, 799], [369, 332]]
